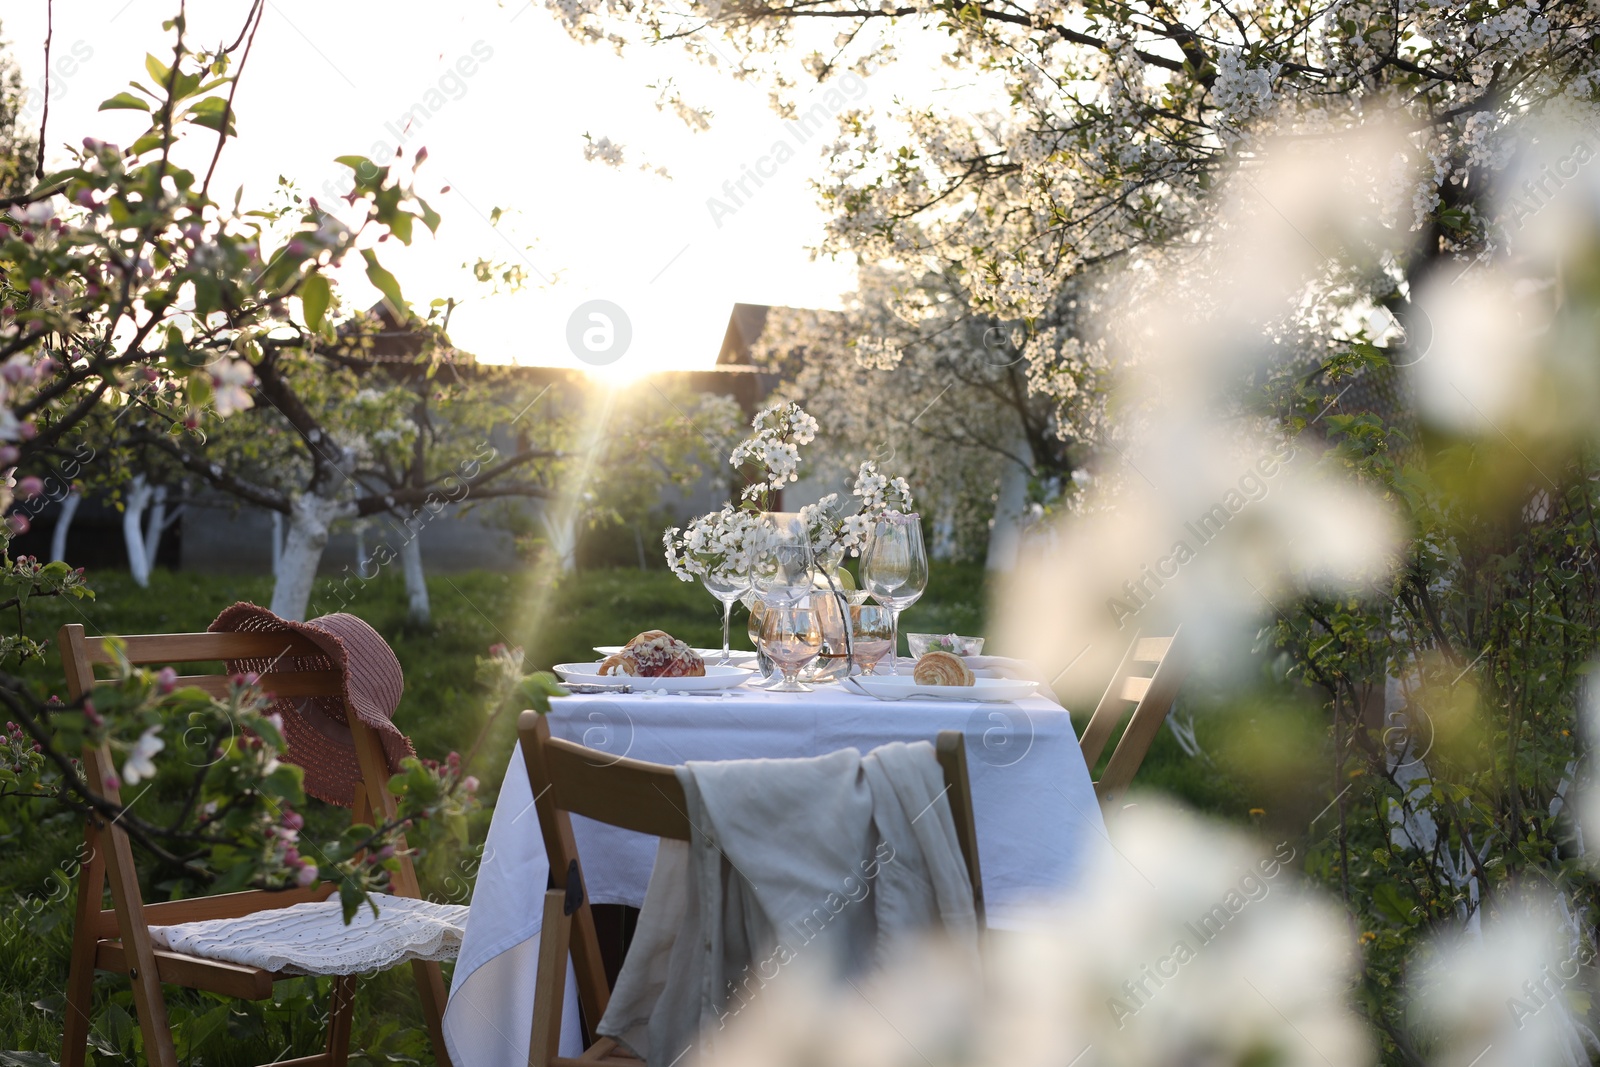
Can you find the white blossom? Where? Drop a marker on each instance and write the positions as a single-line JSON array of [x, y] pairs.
[[139, 764]]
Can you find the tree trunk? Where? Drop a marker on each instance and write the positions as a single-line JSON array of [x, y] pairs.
[[1005, 536], [561, 532], [277, 544], [418, 610], [58, 536], [134, 501], [155, 525], [310, 518]]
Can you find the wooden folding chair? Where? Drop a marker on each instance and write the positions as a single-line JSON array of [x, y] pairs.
[[569, 779], [1148, 678], [119, 940]]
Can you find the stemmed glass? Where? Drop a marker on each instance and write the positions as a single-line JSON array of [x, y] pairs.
[[727, 587], [781, 572], [894, 569], [791, 640], [873, 628]]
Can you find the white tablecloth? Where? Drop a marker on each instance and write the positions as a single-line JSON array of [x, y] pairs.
[[1038, 821]]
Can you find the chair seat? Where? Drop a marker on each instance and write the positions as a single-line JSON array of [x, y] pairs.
[[313, 938]]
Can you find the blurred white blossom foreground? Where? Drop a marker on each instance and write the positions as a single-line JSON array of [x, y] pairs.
[[1187, 945]]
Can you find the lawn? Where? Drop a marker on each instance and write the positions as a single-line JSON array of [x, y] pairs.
[[441, 711]]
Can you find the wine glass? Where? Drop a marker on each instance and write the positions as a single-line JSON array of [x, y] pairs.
[[781, 571], [791, 639], [727, 586], [894, 569], [872, 628]]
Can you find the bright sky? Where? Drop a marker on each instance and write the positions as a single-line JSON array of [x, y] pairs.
[[335, 77]]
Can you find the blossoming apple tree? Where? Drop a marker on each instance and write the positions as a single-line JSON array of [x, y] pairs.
[[126, 287]]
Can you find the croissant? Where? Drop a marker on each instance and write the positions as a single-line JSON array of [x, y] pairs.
[[942, 668], [655, 654]]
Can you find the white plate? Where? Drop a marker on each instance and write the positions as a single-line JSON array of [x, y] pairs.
[[715, 678], [736, 657], [985, 690]]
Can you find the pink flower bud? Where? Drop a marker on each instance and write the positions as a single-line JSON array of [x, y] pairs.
[[27, 431], [296, 248], [251, 677], [291, 856], [166, 680], [8, 455], [307, 876], [293, 820], [386, 852], [497, 650], [29, 488], [86, 197], [113, 782], [13, 372], [18, 523], [470, 783]]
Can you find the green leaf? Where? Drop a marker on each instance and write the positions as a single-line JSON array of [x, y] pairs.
[[350, 897], [400, 226], [383, 280], [1392, 903], [314, 295], [149, 141], [124, 101], [158, 70], [209, 113], [430, 217]]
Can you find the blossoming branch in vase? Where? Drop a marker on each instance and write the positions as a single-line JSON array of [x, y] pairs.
[[775, 447], [719, 543], [727, 542], [829, 528]]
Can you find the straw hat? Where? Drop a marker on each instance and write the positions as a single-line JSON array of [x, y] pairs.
[[316, 728]]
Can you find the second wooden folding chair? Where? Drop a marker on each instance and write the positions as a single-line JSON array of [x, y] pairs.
[[1148, 678], [568, 779]]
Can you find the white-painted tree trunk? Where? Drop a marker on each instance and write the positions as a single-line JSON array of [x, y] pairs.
[[362, 559], [310, 519], [561, 531], [134, 500], [277, 543], [58, 536], [1005, 535], [154, 526], [418, 610]]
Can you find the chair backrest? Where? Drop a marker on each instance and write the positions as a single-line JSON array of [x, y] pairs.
[[568, 779], [80, 655], [1148, 679]]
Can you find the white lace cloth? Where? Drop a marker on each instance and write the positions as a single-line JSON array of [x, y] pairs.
[[312, 938]]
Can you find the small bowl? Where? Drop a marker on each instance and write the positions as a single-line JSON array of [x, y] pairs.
[[961, 646]]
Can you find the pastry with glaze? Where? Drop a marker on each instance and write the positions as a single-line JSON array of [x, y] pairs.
[[655, 654]]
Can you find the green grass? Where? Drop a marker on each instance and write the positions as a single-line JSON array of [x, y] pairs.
[[441, 711]]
